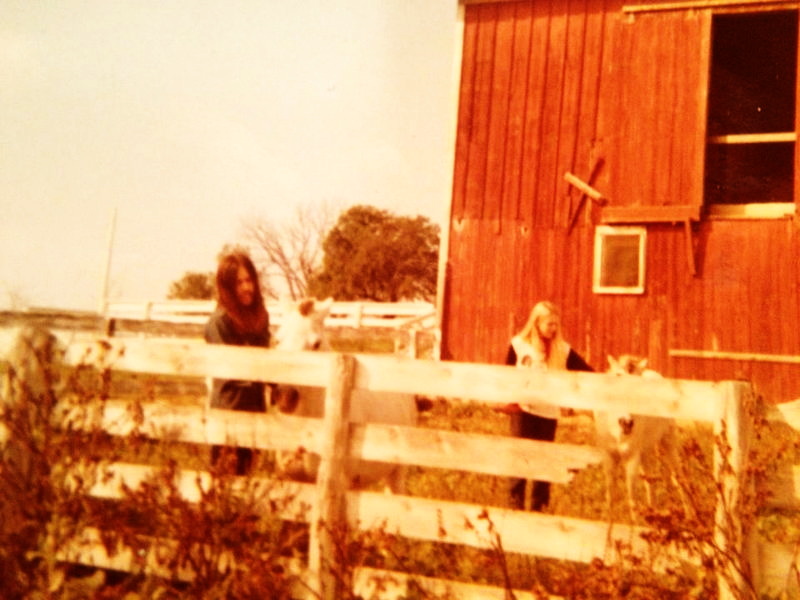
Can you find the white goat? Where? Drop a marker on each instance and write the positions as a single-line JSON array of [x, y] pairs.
[[303, 329], [627, 437]]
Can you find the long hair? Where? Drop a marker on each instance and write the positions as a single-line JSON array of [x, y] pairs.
[[246, 319], [554, 354]]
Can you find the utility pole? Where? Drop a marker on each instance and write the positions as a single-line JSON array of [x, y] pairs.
[[103, 305]]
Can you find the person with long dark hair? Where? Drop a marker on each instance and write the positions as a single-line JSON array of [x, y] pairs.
[[240, 319]]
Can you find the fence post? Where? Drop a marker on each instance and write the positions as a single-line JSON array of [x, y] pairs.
[[329, 513], [732, 444]]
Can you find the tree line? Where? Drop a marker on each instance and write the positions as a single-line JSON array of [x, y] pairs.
[[365, 254]]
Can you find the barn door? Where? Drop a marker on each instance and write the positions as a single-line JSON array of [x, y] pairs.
[[657, 127]]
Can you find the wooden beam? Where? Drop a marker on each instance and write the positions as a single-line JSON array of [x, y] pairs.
[[381, 583], [641, 7], [649, 214], [744, 356], [328, 514], [584, 187], [687, 229], [586, 190], [760, 210], [753, 138], [468, 2], [730, 534]]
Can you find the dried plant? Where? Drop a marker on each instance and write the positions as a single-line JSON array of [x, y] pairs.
[[223, 536]]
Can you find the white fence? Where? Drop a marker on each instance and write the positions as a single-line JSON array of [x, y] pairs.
[[550, 536], [392, 315]]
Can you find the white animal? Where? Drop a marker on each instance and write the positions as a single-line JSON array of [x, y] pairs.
[[302, 328], [626, 437]]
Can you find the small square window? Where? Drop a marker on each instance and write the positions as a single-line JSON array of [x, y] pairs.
[[619, 260]]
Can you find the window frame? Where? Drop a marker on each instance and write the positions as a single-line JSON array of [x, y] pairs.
[[765, 209], [604, 231]]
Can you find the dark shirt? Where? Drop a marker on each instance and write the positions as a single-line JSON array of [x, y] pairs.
[[574, 360], [236, 394]]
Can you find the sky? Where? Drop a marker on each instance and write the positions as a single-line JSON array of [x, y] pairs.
[[179, 121]]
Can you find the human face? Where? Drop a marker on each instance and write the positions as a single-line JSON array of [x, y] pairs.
[[547, 327], [245, 287]]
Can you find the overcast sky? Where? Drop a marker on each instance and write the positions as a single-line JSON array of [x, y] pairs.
[[189, 116]]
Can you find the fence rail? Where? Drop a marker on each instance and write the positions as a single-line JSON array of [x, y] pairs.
[[417, 518], [343, 314]]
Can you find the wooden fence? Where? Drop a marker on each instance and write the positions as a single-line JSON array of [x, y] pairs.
[[777, 564], [542, 535], [408, 320], [343, 314]]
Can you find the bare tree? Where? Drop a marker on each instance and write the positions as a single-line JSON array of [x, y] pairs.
[[289, 251]]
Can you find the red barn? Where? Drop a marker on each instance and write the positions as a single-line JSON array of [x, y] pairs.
[[634, 163]]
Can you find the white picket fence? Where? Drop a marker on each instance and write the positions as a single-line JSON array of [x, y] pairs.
[[550, 536]]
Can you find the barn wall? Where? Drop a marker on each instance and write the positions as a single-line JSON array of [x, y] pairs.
[[549, 87]]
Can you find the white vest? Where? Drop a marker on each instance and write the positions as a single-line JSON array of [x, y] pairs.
[[529, 357]]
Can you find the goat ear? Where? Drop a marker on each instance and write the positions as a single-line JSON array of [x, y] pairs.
[[612, 362], [306, 307], [642, 364]]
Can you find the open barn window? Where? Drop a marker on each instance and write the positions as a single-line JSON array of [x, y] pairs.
[[751, 111], [619, 259]]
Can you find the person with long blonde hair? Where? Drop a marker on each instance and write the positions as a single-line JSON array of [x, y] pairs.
[[240, 319], [539, 345]]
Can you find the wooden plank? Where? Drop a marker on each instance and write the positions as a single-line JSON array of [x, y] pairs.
[[493, 384], [788, 412], [649, 214], [473, 452], [562, 538], [478, 453], [585, 188], [686, 5], [475, 2], [88, 547], [688, 241], [202, 360], [492, 197], [196, 425], [289, 498], [549, 176], [730, 538], [658, 157], [741, 356], [777, 570], [466, 115], [384, 584], [784, 488], [532, 149], [518, 96], [766, 210], [481, 97], [328, 512], [688, 157], [571, 101], [753, 138]]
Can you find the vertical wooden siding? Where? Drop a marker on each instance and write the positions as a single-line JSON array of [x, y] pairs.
[[550, 86], [657, 130], [524, 117]]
